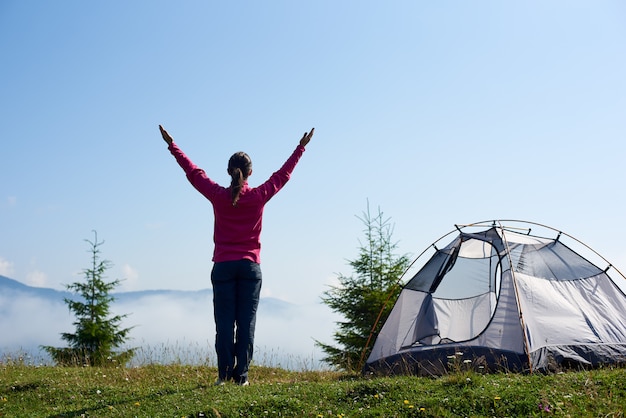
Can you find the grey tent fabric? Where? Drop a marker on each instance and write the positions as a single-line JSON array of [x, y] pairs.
[[502, 299]]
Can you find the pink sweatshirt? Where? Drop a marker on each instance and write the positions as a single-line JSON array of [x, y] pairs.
[[237, 230]]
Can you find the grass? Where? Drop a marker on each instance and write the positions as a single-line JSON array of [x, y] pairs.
[[28, 390]]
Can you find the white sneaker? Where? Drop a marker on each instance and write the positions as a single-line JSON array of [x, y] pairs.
[[246, 383], [220, 382]]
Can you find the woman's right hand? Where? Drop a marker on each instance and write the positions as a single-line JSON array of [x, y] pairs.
[[166, 137]]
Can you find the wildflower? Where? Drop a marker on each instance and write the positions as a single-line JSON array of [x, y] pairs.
[[545, 407], [137, 404], [4, 399], [406, 402], [98, 391], [422, 409]]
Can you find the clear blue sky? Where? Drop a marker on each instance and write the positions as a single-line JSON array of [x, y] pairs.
[[437, 112]]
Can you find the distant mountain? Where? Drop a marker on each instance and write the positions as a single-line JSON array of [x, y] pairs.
[[13, 287], [10, 286], [168, 325]]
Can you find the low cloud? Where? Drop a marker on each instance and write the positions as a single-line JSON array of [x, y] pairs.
[[36, 278], [6, 267], [175, 328], [130, 277], [27, 322]]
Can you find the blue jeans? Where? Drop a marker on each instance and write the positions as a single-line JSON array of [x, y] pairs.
[[236, 293]]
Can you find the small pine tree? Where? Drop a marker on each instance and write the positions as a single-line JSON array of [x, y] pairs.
[[361, 298], [97, 334]]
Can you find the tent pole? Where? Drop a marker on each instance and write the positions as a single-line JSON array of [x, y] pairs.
[[517, 298]]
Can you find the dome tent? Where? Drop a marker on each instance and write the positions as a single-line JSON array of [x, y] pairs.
[[498, 298]]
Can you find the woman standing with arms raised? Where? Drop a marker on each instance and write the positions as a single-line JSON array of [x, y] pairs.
[[236, 273]]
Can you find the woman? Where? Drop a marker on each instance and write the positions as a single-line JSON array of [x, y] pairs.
[[236, 273]]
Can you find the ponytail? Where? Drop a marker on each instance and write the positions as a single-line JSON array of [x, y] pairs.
[[236, 183], [239, 168]]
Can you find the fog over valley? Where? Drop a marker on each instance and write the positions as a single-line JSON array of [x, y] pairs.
[[168, 326]]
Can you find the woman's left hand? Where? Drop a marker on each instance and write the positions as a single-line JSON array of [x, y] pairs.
[[306, 138]]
